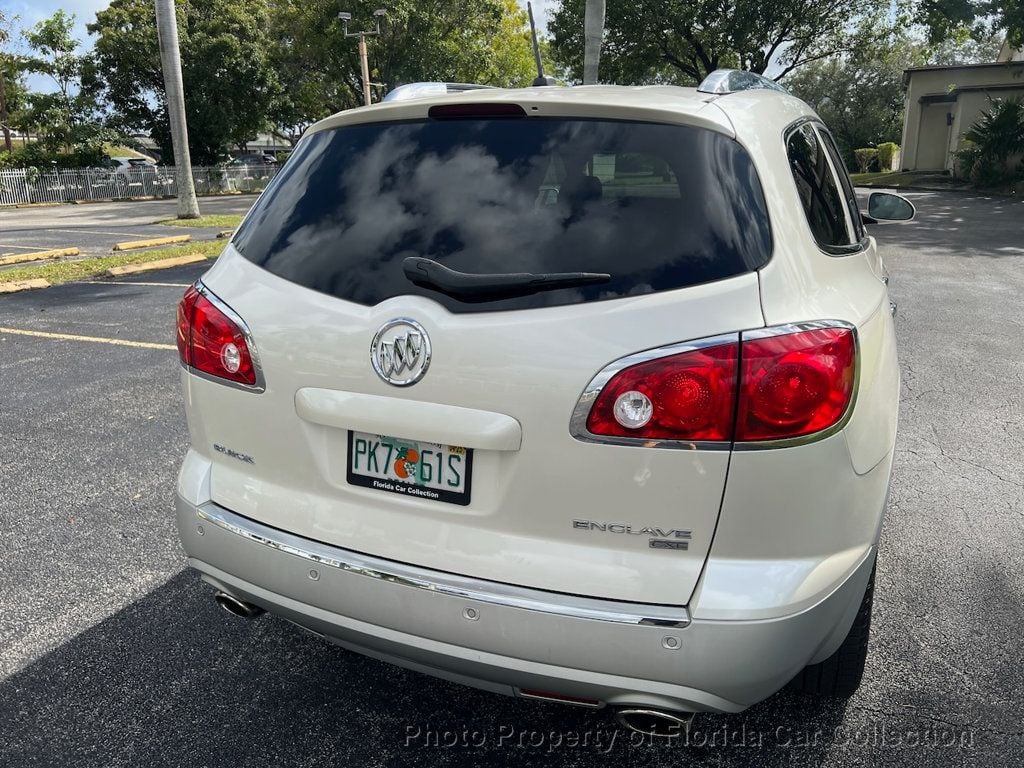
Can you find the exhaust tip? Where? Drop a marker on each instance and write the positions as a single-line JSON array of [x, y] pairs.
[[236, 607], [655, 722]]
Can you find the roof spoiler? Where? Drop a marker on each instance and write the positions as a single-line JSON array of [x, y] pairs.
[[723, 81], [422, 90]]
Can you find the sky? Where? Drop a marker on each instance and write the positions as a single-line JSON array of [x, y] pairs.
[[33, 11]]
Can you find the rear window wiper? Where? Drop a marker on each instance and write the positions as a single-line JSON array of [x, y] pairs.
[[467, 287]]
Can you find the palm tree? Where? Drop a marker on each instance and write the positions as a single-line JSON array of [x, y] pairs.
[[593, 30]]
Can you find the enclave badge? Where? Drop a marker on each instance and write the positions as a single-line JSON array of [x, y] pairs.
[[400, 352]]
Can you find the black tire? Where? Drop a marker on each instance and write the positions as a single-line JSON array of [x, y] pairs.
[[840, 674]]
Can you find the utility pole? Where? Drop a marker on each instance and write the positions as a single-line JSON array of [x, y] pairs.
[[593, 32], [170, 61], [363, 57]]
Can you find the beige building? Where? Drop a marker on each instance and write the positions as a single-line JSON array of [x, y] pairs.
[[942, 103]]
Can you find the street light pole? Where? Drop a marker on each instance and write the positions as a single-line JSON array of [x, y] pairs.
[[363, 54], [170, 61]]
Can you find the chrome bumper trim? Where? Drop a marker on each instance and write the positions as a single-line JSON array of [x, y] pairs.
[[495, 593]]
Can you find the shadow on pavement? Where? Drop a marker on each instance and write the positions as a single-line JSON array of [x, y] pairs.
[[172, 680], [952, 222]]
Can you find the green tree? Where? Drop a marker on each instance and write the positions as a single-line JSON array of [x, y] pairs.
[[481, 41], [231, 86], [962, 48], [70, 117], [681, 41], [860, 95], [11, 87], [945, 19]]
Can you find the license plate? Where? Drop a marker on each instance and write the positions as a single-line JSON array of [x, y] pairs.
[[410, 467]]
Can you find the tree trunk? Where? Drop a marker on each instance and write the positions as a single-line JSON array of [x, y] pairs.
[[3, 112], [170, 60], [593, 31]]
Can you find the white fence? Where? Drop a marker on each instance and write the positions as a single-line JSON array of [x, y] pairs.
[[29, 185]]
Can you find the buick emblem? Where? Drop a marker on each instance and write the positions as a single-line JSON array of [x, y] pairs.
[[400, 352]]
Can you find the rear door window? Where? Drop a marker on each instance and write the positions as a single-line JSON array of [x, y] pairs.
[[849, 195], [657, 207], [819, 190]]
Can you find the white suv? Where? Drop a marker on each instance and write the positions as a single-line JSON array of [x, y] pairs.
[[578, 394]]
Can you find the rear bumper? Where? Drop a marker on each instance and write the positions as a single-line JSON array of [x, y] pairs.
[[504, 638]]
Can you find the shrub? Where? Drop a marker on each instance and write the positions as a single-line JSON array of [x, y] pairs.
[[991, 142], [34, 155], [886, 154], [864, 157]]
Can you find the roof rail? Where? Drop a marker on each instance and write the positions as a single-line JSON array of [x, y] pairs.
[[723, 81], [421, 90]]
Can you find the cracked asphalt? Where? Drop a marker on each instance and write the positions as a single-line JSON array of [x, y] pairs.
[[112, 655]]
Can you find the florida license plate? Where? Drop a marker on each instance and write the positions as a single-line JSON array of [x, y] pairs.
[[410, 467]]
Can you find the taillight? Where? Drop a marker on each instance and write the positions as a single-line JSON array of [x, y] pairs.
[[795, 384], [687, 396], [212, 342], [773, 384]]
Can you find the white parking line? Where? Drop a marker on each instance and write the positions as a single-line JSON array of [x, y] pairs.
[[23, 247], [85, 231], [93, 339], [133, 282]]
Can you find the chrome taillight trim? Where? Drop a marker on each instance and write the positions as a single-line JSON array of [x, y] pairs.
[[261, 384], [813, 437], [578, 421], [415, 577]]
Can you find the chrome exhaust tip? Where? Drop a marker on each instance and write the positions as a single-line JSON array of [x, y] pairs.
[[236, 607], [655, 722]]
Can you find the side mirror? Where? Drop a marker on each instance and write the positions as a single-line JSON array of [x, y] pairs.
[[886, 206]]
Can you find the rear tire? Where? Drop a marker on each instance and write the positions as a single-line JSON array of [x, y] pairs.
[[840, 674]]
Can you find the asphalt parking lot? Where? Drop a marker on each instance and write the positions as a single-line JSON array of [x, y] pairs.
[[112, 655], [95, 227]]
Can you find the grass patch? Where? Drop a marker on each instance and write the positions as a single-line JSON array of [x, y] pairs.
[[222, 221], [83, 269], [897, 179]]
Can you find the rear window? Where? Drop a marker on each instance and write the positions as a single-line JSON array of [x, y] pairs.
[[657, 207]]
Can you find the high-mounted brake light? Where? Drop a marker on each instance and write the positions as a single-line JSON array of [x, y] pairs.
[[211, 342], [768, 385], [483, 110]]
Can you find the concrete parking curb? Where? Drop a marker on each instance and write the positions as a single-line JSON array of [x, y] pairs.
[[23, 285], [131, 245], [224, 234], [152, 266], [54, 253]]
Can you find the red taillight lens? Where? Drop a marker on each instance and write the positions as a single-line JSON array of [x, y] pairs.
[[795, 384], [186, 311], [769, 387], [691, 396], [209, 341]]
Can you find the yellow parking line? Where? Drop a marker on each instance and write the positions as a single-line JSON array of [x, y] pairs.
[[151, 242], [94, 339]]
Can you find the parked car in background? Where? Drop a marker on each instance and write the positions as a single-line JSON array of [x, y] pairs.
[[257, 159], [585, 395], [130, 166]]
